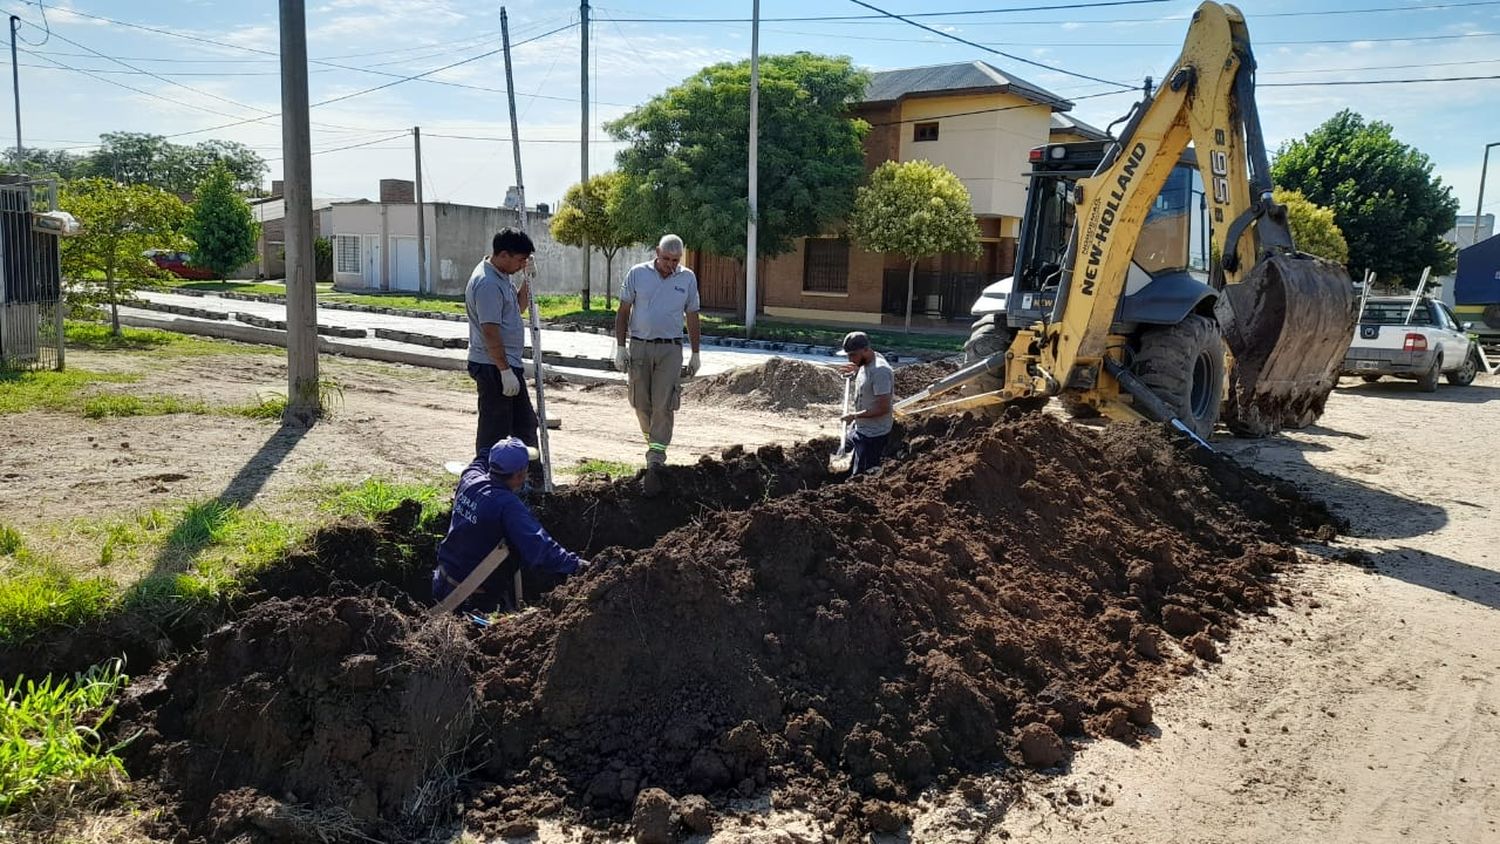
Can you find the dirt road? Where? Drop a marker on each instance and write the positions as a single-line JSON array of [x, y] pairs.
[[1369, 712], [390, 421]]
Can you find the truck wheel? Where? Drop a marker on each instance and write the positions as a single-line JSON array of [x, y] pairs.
[[987, 339], [1463, 376], [1369, 379], [1427, 382], [1184, 365]]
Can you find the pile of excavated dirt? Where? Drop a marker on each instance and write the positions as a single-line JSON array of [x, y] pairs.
[[311, 719], [989, 595], [777, 384], [916, 377]]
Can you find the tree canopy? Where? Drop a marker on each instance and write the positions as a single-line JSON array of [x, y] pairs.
[[117, 225], [915, 209], [222, 229], [144, 159], [1313, 228], [688, 148], [1391, 209], [591, 213]]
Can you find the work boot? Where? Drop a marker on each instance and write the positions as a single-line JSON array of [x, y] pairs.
[[654, 483]]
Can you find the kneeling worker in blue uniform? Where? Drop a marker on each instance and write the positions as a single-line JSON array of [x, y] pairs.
[[490, 524]]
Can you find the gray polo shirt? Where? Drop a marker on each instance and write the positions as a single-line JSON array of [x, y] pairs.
[[657, 304], [873, 379], [490, 297]]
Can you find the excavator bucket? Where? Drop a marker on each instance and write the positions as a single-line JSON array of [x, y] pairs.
[[1288, 323]]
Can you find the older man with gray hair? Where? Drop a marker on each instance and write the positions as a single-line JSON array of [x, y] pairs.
[[655, 300]]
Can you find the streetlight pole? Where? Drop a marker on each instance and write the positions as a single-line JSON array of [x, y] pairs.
[[752, 249], [1479, 209], [15, 76]]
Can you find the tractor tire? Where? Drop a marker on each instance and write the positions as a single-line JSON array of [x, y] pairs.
[[1427, 382], [1463, 376], [1184, 365], [987, 339], [1369, 379]]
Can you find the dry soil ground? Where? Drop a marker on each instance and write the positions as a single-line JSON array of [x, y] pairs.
[[1369, 711]]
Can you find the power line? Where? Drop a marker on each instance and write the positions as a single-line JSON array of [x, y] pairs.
[[355, 68], [353, 146], [929, 117], [1330, 82], [1010, 56], [966, 13], [838, 18], [523, 140]]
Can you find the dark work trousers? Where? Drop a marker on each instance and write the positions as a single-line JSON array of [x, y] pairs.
[[867, 452], [500, 415]]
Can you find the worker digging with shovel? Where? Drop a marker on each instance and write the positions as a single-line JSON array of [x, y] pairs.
[[491, 524]]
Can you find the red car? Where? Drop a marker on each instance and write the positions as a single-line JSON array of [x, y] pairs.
[[177, 264]]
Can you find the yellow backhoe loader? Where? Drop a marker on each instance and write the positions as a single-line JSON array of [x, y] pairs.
[[1140, 259]]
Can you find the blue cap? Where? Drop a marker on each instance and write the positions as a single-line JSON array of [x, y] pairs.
[[510, 455]]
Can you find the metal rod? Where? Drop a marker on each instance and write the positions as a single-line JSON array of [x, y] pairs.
[[423, 282], [536, 319], [1417, 297]]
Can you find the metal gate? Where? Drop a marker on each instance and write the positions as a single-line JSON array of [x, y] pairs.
[[31, 301]]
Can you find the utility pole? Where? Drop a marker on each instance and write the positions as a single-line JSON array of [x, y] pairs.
[[751, 250], [1479, 209], [304, 405], [422, 280], [583, 143], [536, 313], [15, 77]]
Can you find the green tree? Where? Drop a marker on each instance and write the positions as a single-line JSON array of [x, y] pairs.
[[1390, 207], [223, 231], [688, 147], [591, 213], [140, 158], [57, 163], [118, 223], [322, 258], [1313, 228], [915, 209]]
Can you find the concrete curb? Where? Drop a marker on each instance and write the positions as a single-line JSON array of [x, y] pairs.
[[275, 337]]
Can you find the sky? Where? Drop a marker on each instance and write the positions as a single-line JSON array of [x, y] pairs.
[[200, 69]]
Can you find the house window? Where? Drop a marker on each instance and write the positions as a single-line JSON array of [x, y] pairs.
[[346, 253], [825, 266], [924, 132]]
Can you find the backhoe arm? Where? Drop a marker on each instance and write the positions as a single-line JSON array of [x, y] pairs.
[[1198, 103]]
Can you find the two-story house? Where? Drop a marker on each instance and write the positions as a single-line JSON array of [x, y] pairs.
[[975, 119]]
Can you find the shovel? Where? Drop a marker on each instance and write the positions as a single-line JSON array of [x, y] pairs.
[[844, 431]]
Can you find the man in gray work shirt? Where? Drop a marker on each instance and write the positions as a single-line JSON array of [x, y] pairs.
[[496, 338], [655, 299], [871, 421]]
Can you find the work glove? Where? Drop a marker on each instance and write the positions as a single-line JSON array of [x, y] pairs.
[[510, 385], [692, 365], [622, 358]]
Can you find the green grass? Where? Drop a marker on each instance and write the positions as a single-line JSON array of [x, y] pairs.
[[123, 404], [226, 286], [69, 392], [36, 592], [595, 466], [405, 302], [569, 310], [58, 391], [374, 497], [51, 751], [96, 337]]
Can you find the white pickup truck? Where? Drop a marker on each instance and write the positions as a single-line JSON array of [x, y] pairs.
[[1431, 342]]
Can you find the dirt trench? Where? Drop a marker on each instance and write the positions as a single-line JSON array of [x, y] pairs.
[[993, 593]]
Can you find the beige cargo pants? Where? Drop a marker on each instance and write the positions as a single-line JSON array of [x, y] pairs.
[[655, 375]]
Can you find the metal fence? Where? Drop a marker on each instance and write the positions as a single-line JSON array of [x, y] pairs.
[[937, 295], [31, 300]]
